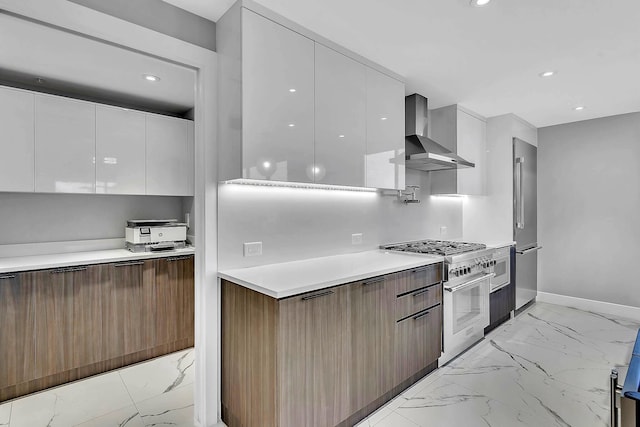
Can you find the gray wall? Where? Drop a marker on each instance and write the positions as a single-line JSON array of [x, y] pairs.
[[36, 218], [588, 204], [295, 223]]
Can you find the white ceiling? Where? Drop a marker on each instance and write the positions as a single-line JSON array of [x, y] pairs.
[[488, 59], [90, 69]]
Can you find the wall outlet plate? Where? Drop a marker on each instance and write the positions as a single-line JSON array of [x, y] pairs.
[[253, 249], [443, 231], [356, 239]]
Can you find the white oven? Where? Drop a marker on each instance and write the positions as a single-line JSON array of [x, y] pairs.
[[501, 268], [466, 312]]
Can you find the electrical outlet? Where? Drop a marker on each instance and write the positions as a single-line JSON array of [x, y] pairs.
[[443, 231], [253, 249], [356, 239]]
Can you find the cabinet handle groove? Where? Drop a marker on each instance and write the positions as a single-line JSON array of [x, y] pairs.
[[10, 276], [178, 258], [373, 282], [420, 292], [419, 270], [421, 315], [68, 270], [127, 264], [323, 294]]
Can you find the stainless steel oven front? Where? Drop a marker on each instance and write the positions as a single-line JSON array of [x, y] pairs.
[[465, 304], [501, 267]]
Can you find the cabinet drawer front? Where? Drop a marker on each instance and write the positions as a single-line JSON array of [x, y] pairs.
[[417, 301], [418, 278], [418, 342]]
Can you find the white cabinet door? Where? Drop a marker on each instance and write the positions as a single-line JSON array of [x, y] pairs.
[[65, 145], [120, 151], [340, 119], [472, 146], [385, 131], [170, 157], [277, 101], [17, 141]]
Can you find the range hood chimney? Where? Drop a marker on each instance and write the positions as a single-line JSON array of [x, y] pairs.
[[422, 152]]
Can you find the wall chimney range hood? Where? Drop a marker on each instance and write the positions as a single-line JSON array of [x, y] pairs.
[[422, 152]]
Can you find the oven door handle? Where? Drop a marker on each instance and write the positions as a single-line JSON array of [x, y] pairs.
[[469, 283]]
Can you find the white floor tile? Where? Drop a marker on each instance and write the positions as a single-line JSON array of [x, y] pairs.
[[173, 408], [126, 417], [395, 420], [5, 414], [161, 375], [71, 404]]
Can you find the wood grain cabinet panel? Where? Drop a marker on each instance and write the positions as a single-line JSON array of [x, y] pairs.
[[418, 300], [324, 358], [315, 358], [17, 329], [418, 341], [129, 310], [373, 324], [174, 293], [418, 278]]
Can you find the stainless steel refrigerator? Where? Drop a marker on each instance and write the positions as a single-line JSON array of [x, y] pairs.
[[525, 220]]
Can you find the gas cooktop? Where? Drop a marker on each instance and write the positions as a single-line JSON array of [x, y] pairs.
[[435, 247]]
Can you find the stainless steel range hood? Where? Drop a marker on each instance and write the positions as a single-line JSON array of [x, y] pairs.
[[422, 152]]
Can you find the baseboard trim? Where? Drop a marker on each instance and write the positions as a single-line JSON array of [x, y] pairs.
[[627, 311]]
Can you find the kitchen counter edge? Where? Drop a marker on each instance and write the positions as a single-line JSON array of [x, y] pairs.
[[43, 262], [240, 276]]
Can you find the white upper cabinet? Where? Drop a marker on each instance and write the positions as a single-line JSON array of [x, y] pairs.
[[120, 151], [294, 106], [463, 133], [64, 145], [385, 155], [169, 156], [17, 140], [340, 111], [277, 101]]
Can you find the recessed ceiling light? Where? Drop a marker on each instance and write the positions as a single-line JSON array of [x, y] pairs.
[[291, 125], [340, 136], [547, 74], [292, 90], [579, 108], [480, 3], [151, 78], [383, 118]]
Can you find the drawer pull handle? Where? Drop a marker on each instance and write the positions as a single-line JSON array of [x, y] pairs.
[[373, 282], [127, 264], [10, 276], [419, 270], [421, 315], [68, 270], [323, 294], [422, 291]]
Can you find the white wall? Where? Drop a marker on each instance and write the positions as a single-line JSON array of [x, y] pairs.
[[588, 204], [301, 223], [38, 218], [489, 218]]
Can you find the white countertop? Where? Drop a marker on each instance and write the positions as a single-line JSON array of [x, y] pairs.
[[296, 277], [39, 262], [497, 245]]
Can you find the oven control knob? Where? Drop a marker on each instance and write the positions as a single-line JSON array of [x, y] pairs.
[[493, 263]]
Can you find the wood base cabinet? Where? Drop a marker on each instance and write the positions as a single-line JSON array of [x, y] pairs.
[[59, 325], [329, 357]]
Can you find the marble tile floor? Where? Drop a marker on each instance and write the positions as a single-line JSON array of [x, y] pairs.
[[548, 367], [158, 392]]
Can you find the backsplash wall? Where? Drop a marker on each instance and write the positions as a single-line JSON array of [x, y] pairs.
[[295, 224], [39, 218]]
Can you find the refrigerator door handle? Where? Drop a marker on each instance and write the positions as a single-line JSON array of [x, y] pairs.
[[519, 193], [526, 251]]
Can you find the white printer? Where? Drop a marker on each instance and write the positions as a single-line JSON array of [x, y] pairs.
[[151, 235]]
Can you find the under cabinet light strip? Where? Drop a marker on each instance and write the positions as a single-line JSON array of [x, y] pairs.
[[261, 183]]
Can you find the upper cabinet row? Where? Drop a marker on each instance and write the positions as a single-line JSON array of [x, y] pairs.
[[52, 144], [299, 111]]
